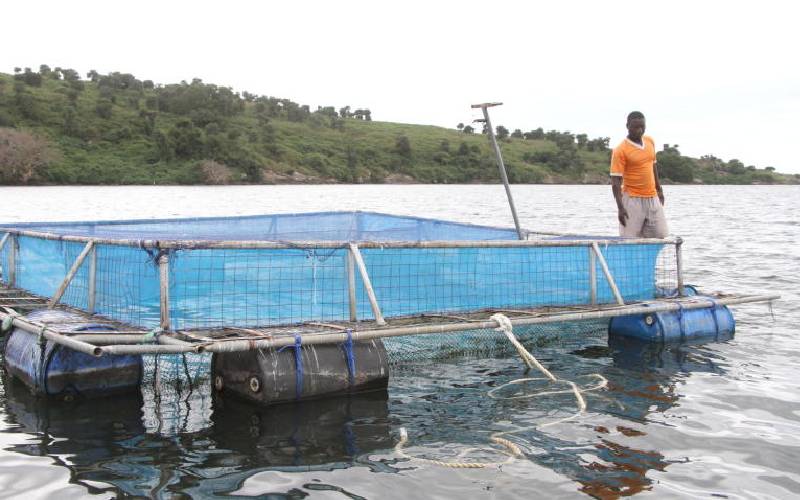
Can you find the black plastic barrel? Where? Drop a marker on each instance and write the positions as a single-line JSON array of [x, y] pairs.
[[301, 372], [50, 369]]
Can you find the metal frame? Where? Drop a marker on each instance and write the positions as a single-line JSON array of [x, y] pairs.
[[169, 344]]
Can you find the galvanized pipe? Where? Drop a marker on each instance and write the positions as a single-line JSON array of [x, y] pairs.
[[362, 269], [607, 272], [50, 334], [679, 266], [163, 277], [12, 261], [333, 338], [259, 244], [351, 285], [175, 346], [92, 292], [500, 165], [70, 275]]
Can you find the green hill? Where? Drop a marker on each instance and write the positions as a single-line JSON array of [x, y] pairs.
[[57, 128]]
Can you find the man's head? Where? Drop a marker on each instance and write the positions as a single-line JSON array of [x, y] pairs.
[[635, 125]]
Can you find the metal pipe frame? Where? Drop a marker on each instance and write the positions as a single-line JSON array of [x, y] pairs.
[[170, 345], [163, 278], [679, 266], [607, 272], [307, 245], [70, 275], [362, 269]]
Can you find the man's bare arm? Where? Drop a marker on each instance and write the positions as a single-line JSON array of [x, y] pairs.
[[658, 183], [616, 188]]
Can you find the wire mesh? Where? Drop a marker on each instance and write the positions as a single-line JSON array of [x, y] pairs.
[[176, 393], [490, 342], [245, 287]]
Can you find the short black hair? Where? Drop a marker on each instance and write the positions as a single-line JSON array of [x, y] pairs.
[[633, 115]]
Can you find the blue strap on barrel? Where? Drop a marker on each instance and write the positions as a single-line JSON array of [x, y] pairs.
[[714, 314], [298, 364], [351, 360], [680, 321]]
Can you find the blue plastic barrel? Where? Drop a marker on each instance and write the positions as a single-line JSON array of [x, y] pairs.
[[713, 323], [51, 369]]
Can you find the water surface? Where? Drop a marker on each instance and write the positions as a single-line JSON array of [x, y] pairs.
[[717, 419]]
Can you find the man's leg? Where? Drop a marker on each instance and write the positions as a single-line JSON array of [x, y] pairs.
[[637, 214], [655, 225]]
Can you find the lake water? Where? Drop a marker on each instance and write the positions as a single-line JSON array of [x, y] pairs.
[[719, 419]]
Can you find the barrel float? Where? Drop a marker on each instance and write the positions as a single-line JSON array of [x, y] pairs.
[[713, 323], [300, 372], [50, 369]]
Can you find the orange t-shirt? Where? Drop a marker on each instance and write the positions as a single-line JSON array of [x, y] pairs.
[[634, 163]]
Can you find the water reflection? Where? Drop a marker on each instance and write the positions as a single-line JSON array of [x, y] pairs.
[[183, 440]]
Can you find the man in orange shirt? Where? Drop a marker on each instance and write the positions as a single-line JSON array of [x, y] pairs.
[[635, 184]]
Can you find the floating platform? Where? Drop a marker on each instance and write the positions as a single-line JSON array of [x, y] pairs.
[[314, 297]]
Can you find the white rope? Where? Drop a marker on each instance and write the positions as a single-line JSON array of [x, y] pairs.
[[511, 449]]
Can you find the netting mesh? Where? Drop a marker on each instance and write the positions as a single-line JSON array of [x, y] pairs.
[[322, 226], [246, 287], [488, 342]]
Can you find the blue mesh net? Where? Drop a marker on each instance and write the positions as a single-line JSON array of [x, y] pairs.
[[321, 226], [212, 288]]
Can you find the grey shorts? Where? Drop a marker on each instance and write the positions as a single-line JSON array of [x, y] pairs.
[[645, 217]]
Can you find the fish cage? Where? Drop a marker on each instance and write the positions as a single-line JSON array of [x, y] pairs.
[[299, 305]]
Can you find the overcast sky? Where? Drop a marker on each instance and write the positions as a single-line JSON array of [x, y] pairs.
[[718, 78]]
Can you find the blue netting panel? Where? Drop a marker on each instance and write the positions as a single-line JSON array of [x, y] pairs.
[[127, 283], [265, 287], [325, 226]]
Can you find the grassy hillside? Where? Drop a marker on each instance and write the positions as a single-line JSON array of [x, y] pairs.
[[58, 128]]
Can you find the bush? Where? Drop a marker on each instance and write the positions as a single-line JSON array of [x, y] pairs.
[[23, 157], [212, 172]]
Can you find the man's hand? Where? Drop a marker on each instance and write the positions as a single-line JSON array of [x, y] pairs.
[[661, 196], [622, 214]]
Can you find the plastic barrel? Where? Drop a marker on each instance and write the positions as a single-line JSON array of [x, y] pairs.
[[50, 369], [301, 372], [713, 323]]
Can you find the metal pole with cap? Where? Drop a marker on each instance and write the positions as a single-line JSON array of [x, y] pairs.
[[485, 108]]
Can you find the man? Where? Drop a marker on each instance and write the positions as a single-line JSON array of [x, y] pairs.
[[635, 184]]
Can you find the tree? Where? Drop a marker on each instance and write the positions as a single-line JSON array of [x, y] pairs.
[[534, 134], [402, 146], [468, 129], [517, 134], [344, 112], [93, 75], [460, 126], [23, 156], [501, 132], [582, 140], [103, 108], [770, 169], [735, 167], [675, 167]]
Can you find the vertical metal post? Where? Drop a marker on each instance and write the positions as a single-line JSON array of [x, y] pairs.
[[679, 265], [13, 245], [3, 241], [163, 274], [351, 284], [92, 281], [362, 269], [500, 165], [592, 277]]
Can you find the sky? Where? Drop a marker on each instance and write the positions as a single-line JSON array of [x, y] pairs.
[[714, 77]]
